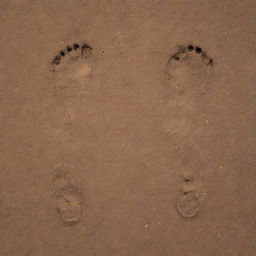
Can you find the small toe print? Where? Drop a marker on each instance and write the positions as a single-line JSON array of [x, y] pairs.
[[190, 47], [210, 62], [76, 46], [198, 49], [56, 60], [176, 57], [69, 49]]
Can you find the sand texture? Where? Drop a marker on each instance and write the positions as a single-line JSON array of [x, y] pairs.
[[127, 128]]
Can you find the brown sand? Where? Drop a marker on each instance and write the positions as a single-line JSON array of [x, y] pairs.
[[128, 151]]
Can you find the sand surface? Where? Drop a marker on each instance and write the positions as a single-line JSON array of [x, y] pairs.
[[127, 128]]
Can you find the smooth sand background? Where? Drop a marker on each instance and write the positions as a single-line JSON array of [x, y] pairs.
[[115, 149]]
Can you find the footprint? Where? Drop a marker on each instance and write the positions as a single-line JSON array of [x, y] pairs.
[[68, 199], [188, 78], [189, 73], [72, 70]]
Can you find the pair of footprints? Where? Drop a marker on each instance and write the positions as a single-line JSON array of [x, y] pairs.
[[68, 198]]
